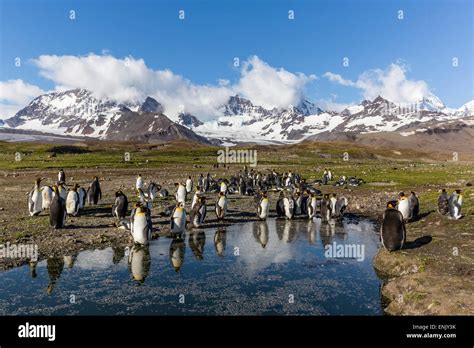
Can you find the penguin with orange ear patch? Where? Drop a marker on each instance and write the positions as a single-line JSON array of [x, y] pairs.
[[392, 231]]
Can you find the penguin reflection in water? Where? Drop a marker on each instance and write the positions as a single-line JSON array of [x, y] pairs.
[[177, 250], [392, 231], [57, 210], [261, 233], [55, 266], [35, 199], [197, 240], [139, 262], [220, 241], [140, 224]]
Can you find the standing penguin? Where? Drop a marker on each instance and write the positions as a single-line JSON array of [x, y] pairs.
[[140, 224], [198, 212], [120, 207], [61, 176], [312, 206], [153, 191], [62, 190], [57, 210], [263, 207], [139, 182], [221, 206], [35, 199], [82, 197], [223, 187], [196, 196], [414, 205], [180, 194], [326, 208], [455, 204], [289, 205], [392, 231], [443, 203], [189, 184], [72, 201], [47, 193], [339, 207], [332, 203], [178, 219], [280, 206], [93, 192], [404, 205]]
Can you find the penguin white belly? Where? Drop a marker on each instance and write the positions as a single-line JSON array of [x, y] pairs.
[[223, 206], [47, 195], [264, 207], [179, 221], [37, 202], [223, 187], [139, 184], [404, 208], [181, 195], [288, 204], [312, 208], [189, 186], [72, 202], [140, 229], [195, 199], [333, 202]]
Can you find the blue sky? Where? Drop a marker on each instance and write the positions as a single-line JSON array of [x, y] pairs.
[[201, 48]]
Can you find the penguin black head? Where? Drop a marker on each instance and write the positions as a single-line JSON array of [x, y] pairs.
[[413, 193], [443, 190], [334, 195], [176, 184], [458, 191], [401, 194], [326, 196], [118, 193], [221, 193], [202, 200]]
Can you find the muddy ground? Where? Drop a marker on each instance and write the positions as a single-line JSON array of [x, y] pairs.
[[432, 275]]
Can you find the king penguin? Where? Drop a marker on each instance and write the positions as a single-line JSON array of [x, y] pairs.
[[120, 207], [47, 193], [178, 219], [263, 207], [392, 231], [189, 185], [289, 204], [443, 203], [72, 201], [414, 205], [61, 176], [221, 206], [140, 224], [198, 212], [404, 206], [57, 210], [93, 192], [35, 199], [180, 193], [455, 204]]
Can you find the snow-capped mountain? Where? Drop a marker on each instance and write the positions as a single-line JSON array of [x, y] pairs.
[[243, 121], [77, 112]]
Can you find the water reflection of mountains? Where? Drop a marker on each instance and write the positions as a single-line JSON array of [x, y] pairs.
[[139, 258]]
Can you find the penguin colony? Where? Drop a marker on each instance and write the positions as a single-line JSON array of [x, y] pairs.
[[296, 198]]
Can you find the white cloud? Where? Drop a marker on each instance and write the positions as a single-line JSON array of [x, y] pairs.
[[130, 79], [338, 79], [14, 95], [391, 83], [270, 87]]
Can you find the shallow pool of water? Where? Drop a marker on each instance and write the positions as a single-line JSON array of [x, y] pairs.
[[276, 267]]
